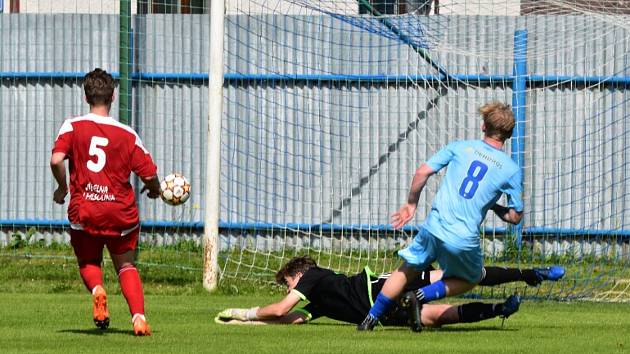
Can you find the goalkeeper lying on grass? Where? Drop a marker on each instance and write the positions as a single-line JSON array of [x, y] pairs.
[[349, 299]]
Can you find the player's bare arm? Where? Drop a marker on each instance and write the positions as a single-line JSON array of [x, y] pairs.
[[507, 214], [407, 211], [58, 167], [278, 309], [152, 186], [294, 317], [290, 318], [278, 312]]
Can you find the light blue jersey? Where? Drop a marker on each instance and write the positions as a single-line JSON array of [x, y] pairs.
[[476, 177]]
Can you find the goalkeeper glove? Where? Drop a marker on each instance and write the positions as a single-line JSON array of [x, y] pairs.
[[239, 314]]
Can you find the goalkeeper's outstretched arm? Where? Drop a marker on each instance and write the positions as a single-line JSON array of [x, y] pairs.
[[276, 313], [278, 309], [294, 317]]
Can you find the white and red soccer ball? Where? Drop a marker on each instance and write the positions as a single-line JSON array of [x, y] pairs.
[[175, 189]]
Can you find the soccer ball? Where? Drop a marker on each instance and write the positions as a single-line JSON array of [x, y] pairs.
[[175, 189]]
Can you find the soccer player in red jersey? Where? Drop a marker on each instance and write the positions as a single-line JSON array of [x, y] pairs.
[[102, 153]]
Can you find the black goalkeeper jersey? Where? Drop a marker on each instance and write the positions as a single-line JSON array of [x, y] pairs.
[[341, 297], [336, 296]]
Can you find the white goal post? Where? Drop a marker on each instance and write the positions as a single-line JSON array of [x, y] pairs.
[[213, 158]]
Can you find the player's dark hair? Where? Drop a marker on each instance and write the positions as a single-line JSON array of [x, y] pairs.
[[498, 119], [294, 266], [98, 86]]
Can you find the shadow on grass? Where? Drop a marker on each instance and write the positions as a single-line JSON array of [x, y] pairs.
[[427, 329], [330, 324], [472, 329], [97, 332]]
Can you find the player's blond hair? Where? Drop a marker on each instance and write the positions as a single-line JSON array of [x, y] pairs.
[[498, 119], [98, 86]]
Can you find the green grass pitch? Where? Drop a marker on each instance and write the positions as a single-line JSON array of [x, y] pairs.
[[45, 309], [61, 323]]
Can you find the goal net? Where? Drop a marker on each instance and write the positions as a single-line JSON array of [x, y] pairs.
[[330, 106]]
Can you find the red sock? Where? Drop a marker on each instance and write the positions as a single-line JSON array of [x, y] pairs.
[[91, 275], [131, 287]]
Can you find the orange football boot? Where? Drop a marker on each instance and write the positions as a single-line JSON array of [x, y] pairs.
[[100, 313], [140, 326]]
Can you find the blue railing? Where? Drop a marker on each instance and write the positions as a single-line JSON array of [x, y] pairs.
[[197, 226], [530, 80]]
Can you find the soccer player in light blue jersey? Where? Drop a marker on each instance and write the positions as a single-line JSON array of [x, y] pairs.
[[478, 173]]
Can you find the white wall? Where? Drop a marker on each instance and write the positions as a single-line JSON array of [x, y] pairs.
[[480, 7], [71, 6], [346, 7], [349, 7]]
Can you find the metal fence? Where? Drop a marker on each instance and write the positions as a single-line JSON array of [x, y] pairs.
[[313, 104]]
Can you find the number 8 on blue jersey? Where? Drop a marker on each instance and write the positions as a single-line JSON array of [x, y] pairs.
[[475, 174]]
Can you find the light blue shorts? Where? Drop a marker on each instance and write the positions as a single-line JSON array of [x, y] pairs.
[[454, 262]]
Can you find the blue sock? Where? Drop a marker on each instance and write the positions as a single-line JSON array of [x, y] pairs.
[[431, 292], [381, 305]]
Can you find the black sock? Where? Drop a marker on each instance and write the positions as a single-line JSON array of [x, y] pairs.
[[478, 311], [500, 275], [530, 277]]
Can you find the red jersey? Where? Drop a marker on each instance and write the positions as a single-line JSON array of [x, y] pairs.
[[102, 153]]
